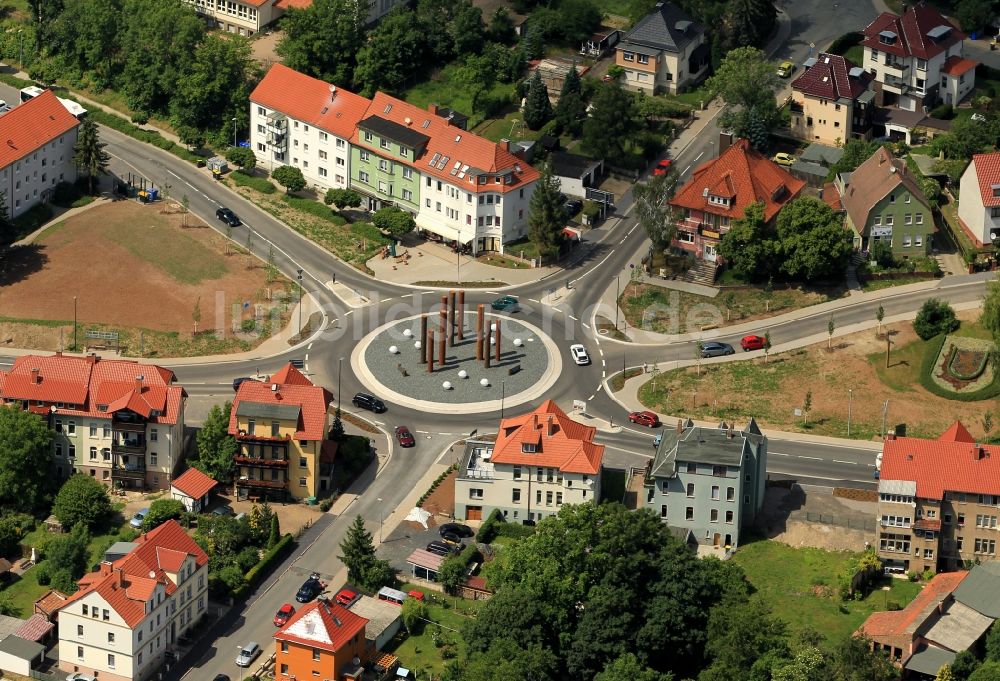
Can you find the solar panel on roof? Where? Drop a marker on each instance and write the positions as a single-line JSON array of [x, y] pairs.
[[435, 159]]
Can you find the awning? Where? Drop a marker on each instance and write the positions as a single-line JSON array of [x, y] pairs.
[[571, 233]]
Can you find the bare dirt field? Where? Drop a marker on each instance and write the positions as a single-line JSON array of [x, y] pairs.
[[793, 517], [130, 266]]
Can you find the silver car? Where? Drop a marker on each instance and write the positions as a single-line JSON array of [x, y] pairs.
[[714, 349], [248, 654], [579, 354]]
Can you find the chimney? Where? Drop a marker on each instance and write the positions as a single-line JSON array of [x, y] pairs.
[[725, 141], [58, 353], [433, 108], [138, 383], [552, 425], [890, 436], [980, 452], [35, 377], [105, 568], [333, 92], [505, 144], [92, 358], [680, 426]]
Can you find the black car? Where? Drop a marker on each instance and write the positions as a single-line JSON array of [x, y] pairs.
[[369, 402], [228, 216], [439, 548], [451, 538], [237, 382], [456, 528], [572, 207], [221, 677], [310, 589]]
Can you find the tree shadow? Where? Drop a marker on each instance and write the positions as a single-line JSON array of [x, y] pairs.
[[20, 262]]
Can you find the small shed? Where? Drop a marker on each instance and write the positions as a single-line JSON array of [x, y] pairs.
[[119, 550], [600, 42], [18, 656], [575, 173], [53, 525], [193, 489], [384, 620], [50, 602], [424, 564], [475, 589], [37, 628]]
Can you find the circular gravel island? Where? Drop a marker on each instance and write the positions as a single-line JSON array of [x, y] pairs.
[[387, 362]]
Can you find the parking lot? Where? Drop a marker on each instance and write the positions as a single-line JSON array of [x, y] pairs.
[[398, 546]]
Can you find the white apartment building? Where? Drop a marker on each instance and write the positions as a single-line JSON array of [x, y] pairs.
[[118, 421], [249, 17], [304, 122], [129, 613], [979, 199], [38, 154], [539, 461], [917, 59]]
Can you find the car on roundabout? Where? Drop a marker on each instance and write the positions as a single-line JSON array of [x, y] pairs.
[[404, 436], [505, 304], [579, 354], [645, 418]]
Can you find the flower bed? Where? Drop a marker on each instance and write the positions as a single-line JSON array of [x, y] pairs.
[[967, 364]]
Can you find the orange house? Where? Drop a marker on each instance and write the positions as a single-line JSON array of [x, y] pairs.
[[322, 640]]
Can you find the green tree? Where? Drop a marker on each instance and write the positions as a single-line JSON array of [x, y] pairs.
[[342, 198], [13, 527], [505, 661], [160, 511], [215, 87], [578, 19], [414, 615], [767, 345], [749, 22], [452, 572], [216, 447], [357, 551], [945, 674], [88, 153], [856, 151], [66, 556], [807, 404], [571, 108], [626, 667], [274, 535], [748, 248], [831, 326], [324, 39], [82, 499], [546, 217], [879, 316], [533, 43], [537, 108], [394, 221], [935, 317], [807, 664], [87, 39], [337, 427], [746, 82], [993, 644], [290, 178], [259, 523], [964, 664], [653, 210], [391, 54], [989, 318], [854, 660], [466, 29], [613, 123], [377, 575], [974, 15], [8, 233], [25, 459], [740, 633], [241, 157], [813, 242]]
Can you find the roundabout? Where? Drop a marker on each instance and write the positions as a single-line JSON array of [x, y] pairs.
[[523, 364]]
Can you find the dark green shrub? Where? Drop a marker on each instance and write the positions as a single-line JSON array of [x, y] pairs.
[[260, 184], [935, 317]]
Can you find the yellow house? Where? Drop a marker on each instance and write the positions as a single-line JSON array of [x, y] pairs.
[[282, 428], [832, 101], [664, 52]]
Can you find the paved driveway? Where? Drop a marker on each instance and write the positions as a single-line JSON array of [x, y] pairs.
[[398, 546]]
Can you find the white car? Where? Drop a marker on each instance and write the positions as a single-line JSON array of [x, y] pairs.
[[579, 354], [77, 676], [248, 654]]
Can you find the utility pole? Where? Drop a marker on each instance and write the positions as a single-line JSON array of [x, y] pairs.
[[75, 349], [850, 405], [885, 412], [300, 298], [618, 292]]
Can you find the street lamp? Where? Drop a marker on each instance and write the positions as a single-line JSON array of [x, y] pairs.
[[850, 404], [340, 368], [74, 325], [618, 292], [235, 143], [240, 648], [379, 519], [299, 274]]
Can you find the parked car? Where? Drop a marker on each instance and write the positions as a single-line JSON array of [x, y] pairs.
[[505, 304], [572, 207], [228, 216], [457, 528], [752, 343], [783, 159], [138, 518], [451, 538], [222, 510], [663, 167], [310, 589], [405, 437], [785, 69], [645, 418], [79, 676], [237, 382], [221, 677], [248, 654], [346, 597], [579, 354], [284, 614], [417, 595], [714, 349], [369, 402], [439, 548]]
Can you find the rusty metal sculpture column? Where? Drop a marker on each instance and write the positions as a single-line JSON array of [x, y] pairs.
[[461, 315], [486, 345], [430, 353], [452, 320], [441, 342], [479, 333], [423, 339], [497, 336]]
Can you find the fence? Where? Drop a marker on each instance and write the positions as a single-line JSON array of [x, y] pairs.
[[868, 524]]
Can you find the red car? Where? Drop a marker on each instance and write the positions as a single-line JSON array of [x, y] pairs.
[[284, 614], [645, 418], [345, 597], [752, 343], [662, 167], [405, 437], [419, 595]]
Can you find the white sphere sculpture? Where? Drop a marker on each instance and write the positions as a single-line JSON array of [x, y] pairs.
[[493, 341], [463, 374], [493, 326], [417, 345], [407, 332], [485, 382], [393, 350], [446, 385], [518, 342]]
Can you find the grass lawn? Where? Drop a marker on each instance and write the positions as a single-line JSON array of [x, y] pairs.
[[800, 586], [425, 653], [444, 89], [856, 54], [879, 284], [183, 258], [612, 484], [523, 248], [498, 260]]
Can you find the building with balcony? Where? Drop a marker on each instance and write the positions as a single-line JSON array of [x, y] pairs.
[[720, 190], [281, 427], [938, 502], [979, 199], [323, 640], [708, 480], [539, 461], [917, 60], [119, 421], [831, 101], [129, 613], [664, 52]]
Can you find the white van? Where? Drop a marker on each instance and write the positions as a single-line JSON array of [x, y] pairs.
[[392, 595]]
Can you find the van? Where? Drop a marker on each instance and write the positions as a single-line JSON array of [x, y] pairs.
[[391, 595]]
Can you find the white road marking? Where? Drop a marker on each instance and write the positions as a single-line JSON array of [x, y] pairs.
[[534, 301], [853, 463], [423, 432], [779, 454], [600, 350], [491, 293], [591, 397], [623, 240], [385, 300], [307, 357], [378, 422], [604, 374], [684, 172], [698, 157], [585, 325], [349, 312], [444, 433], [573, 318], [600, 387], [811, 458], [604, 363], [309, 347]]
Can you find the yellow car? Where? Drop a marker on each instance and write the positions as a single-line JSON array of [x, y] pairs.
[[783, 159], [785, 69]]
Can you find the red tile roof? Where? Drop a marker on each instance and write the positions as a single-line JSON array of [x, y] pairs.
[[956, 433], [988, 173], [35, 628], [560, 441], [297, 4], [289, 375], [32, 125], [310, 100], [90, 382], [831, 197], [451, 146], [829, 78], [911, 30], [956, 66], [50, 602], [193, 483], [322, 624], [742, 175], [312, 401], [905, 622], [938, 466]]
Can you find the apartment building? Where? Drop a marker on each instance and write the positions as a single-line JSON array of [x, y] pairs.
[[664, 52], [708, 480], [251, 16], [539, 461], [461, 188], [128, 613], [323, 640], [979, 199], [831, 101], [282, 429], [917, 59], [119, 421], [306, 123], [38, 155], [939, 501]]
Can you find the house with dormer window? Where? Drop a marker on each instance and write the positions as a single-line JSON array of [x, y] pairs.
[[664, 52], [832, 102], [979, 199]]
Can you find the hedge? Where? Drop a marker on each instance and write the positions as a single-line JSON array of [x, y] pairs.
[[259, 571], [30, 220], [931, 353], [260, 184], [309, 206], [434, 485], [495, 526]]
